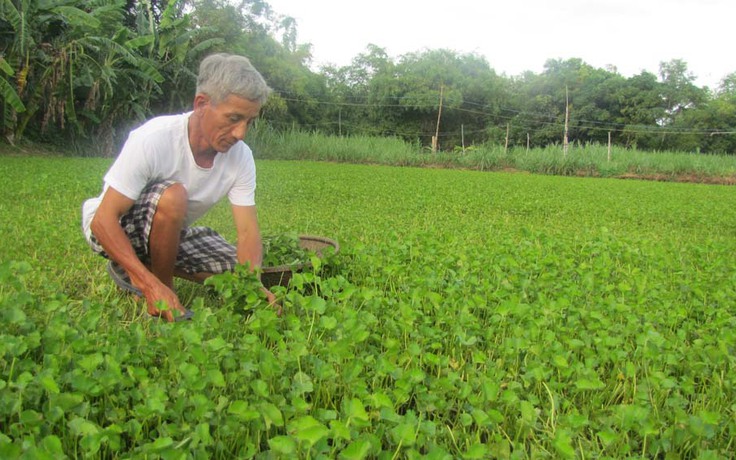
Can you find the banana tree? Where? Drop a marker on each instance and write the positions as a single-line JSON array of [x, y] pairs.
[[175, 46], [11, 102]]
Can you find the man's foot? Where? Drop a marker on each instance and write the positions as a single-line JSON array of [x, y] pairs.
[[121, 278]]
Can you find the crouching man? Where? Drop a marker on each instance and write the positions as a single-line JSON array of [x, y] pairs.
[[169, 173]]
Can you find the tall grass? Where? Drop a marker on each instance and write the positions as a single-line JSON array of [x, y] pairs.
[[592, 160], [580, 160]]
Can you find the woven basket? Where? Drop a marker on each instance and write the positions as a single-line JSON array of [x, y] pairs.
[[280, 275]]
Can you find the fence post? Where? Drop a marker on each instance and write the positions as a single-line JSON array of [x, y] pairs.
[[462, 137]]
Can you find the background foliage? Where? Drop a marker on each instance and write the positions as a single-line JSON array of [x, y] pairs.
[[82, 73]]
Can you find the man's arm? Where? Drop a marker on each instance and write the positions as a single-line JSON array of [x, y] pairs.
[[106, 228], [250, 246]]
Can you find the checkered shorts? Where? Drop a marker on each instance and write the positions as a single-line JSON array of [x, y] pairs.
[[201, 249]]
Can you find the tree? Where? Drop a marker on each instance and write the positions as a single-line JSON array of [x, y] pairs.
[[727, 87], [678, 88], [72, 61]]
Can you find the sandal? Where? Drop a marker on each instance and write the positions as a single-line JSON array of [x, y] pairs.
[[121, 278]]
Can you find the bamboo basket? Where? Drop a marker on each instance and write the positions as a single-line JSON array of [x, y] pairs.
[[280, 275]]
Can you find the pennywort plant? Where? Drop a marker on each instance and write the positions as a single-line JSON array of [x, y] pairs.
[[467, 315]]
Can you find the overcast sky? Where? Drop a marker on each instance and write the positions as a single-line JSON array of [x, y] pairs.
[[519, 35]]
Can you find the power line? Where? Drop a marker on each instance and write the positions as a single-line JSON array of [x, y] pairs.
[[538, 118]]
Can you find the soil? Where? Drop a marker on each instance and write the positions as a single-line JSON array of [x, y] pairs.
[[689, 178]]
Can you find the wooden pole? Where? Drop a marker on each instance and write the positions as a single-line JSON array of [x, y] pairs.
[[609, 146], [506, 146], [439, 116], [567, 119], [462, 136], [527, 142]]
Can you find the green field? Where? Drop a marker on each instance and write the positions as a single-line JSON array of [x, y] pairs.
[[468, 315]]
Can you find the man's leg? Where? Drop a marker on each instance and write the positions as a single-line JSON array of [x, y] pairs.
[[202, 253], [163, 241]]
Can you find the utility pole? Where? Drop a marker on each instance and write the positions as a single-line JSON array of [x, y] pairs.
[[435, 139], [462, 137], [567, 119]]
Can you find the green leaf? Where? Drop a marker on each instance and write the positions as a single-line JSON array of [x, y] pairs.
[[607, 437], [260, 388], [215, 377], [30, 418], [202, 434], [283, 445], [476, 451], [356, 411], [13, 16], [356, 450], [5, 67], [241, 410], [52, 445], [302, 383], [563, 444], [218, 343], [82, 427], [271, 414], [404, 434], [49, 384], [162, 443], [589, 384], [189, 371], [14, 315], [77, 17], [90, 362], [308, 429], [67, 401], [339, 430], [528, 413], [207, 44], [317, 304], [328, 322], [560, 361], [139, 42]]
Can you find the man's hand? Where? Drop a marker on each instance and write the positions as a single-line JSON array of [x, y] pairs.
[[272, 302], [159, 294]]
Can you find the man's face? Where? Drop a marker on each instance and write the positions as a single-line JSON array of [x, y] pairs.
[[226, 123]]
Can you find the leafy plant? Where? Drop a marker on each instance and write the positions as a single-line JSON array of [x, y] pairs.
[[283, 249], [518, 316]]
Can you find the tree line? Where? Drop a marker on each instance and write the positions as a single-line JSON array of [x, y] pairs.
[[81, 73]]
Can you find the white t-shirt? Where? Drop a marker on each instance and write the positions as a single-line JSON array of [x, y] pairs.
[[159, 150]]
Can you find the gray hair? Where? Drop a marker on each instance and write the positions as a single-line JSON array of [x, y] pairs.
[[222, 75]]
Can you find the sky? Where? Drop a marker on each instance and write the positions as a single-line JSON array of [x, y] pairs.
[[520, 35]]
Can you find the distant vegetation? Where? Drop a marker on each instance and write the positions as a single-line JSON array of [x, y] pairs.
[[80, 74], [592, 160]]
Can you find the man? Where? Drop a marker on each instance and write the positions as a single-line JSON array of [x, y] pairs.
[[170, 172]]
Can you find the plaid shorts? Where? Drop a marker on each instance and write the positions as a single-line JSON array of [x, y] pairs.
[[201, 249]]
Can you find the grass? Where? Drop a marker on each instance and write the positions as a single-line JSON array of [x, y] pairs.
[[469, 315]]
